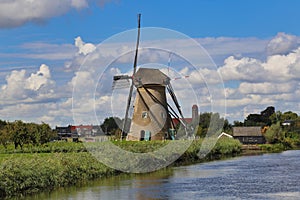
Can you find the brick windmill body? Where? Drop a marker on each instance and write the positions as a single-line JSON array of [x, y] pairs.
[[151, 119]]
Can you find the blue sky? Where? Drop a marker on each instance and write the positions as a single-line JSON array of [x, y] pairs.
[[244, 38], [204, 18]]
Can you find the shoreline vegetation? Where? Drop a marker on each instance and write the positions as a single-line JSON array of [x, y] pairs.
[[29, 163], [53, 165]]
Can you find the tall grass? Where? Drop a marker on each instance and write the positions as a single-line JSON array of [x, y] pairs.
[[54, 165], [51, 147], [29, 173], [224, 147]]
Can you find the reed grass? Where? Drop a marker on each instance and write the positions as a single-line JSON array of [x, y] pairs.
[[60, 164]]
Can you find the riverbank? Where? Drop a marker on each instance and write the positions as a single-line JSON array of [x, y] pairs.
[[54, 165], [268, 176], [255, 149]]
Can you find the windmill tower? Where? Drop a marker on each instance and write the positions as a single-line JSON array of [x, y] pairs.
[[151, 119]]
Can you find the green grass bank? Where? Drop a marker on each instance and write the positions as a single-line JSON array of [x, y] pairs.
[[58, 164]]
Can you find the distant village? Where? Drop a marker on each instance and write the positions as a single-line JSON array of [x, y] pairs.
[[251, 131], [110, 126]]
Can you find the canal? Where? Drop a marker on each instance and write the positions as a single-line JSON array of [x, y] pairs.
[[268, 176]]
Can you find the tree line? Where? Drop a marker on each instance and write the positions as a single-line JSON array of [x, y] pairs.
[[20, 133], [268, 119], [113, 125], [278, 127]]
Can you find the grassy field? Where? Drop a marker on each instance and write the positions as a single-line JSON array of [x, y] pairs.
[[59, 164], [28, 173]]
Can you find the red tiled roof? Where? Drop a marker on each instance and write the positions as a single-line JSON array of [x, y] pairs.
[[187, 120], [82, 127]]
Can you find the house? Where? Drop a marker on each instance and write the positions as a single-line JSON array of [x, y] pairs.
[[82, 130], [176, 121], [223, 134], [194, 119], [249, 135], [287, 122], [63, 131]]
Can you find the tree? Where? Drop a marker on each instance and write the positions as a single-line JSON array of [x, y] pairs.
[[289, 115], [238, 123], [281, 117], [227, 126], [45, 133], [33, 133], [211, 122], [262, 119], [111, 125], [4, 134], [254, 120], [276, 117], [275, 134], [19, 133]]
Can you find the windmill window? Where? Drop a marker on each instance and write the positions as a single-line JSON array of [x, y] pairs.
[[144, 114]]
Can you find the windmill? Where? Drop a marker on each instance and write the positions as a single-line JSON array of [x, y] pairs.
[[152, 114]]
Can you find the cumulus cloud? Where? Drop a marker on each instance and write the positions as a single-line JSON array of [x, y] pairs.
[[32, 97], [83, 81], [84, 48], [39, 79], [15, 86], [257, 82], [252, 82], [243, 69], [278, 68], [79, 4], [282, 43], [19, 86], [267, 88], [14, 13], [220, 48]]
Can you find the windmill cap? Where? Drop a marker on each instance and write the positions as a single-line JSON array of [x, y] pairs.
[[149, 76]]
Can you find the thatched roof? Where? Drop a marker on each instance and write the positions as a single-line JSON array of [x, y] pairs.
[[147, 76], [247, 131]]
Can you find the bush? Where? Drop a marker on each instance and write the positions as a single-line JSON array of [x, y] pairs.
[[275, 134]]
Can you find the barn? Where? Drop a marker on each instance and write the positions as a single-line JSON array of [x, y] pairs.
[[249, 135]]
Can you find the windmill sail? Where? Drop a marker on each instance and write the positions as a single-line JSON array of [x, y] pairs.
[[126, 125]]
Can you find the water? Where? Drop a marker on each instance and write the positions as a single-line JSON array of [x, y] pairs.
[[268, 176]]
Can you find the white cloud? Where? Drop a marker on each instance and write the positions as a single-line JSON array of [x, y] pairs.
[[252, 82], [244, 69], [277, 68], [20, 87], [15, 13], [83, 81], [15, 86], [283, 43], [249, 99], [79, 4], [39, 79], [84, 48], [267, 88]]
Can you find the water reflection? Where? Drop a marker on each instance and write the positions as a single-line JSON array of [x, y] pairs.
[[125, 186], [269, 176]]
